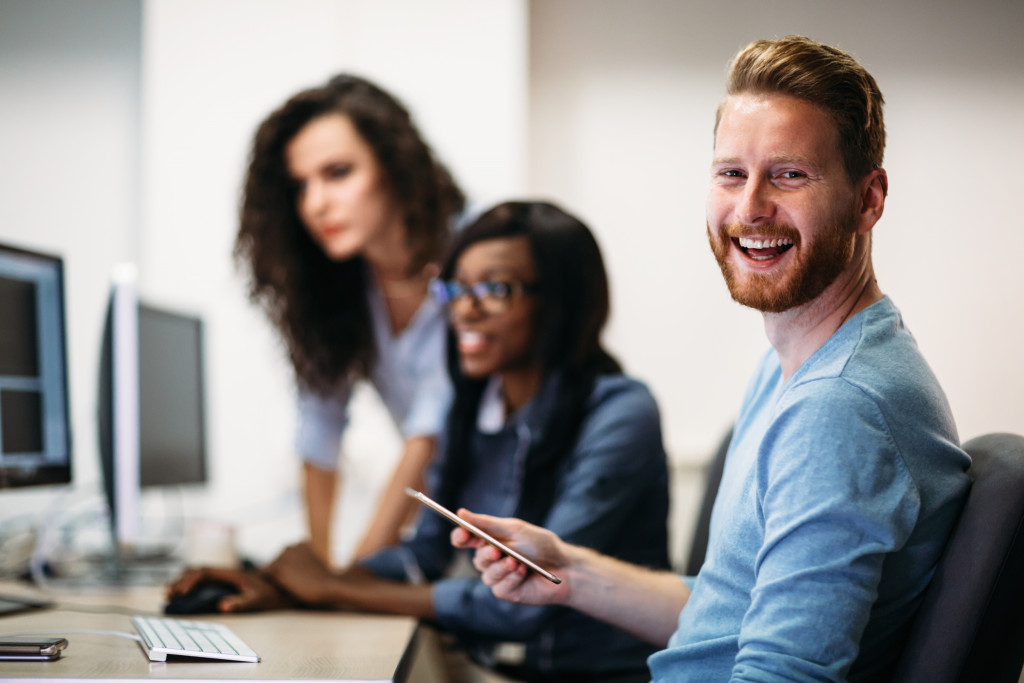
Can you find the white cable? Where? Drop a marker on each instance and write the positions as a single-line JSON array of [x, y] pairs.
[[64, 632]]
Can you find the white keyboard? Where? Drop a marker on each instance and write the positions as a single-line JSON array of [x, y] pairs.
[[162, 636]]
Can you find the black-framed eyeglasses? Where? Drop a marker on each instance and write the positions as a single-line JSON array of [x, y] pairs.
[[490, 296]]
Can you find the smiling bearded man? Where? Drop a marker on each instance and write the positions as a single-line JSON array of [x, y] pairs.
[[844, 475]]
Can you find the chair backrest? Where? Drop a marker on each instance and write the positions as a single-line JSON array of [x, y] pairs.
[[699, 545], [970, 626]]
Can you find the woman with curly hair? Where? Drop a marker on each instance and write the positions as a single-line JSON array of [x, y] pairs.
[[345, 215]]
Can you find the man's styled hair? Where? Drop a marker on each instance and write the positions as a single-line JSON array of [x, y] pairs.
[[823, 76]]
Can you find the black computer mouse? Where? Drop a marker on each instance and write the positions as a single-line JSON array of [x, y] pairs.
[[202, 599]]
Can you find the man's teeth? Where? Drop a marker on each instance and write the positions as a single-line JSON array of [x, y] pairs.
[[748, 243]]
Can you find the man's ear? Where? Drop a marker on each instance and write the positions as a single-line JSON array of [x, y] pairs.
[[873, 189]]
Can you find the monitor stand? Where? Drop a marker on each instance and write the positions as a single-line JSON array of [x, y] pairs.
[[140, 566], [125, 568]]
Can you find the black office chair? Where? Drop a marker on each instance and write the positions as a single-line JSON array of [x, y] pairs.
[[699, 546], [970, 627]]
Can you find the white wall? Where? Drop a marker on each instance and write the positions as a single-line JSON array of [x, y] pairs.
[[69, 166]]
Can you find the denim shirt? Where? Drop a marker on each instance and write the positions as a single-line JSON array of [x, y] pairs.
[[612, 496]]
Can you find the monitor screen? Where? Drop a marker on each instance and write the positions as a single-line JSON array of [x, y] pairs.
[[172, 447], [35, 434]]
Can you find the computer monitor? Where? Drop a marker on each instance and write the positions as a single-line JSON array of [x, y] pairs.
[[35, 433], [151, 405]]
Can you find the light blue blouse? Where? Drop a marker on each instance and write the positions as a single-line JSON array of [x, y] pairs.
[[410, 376]]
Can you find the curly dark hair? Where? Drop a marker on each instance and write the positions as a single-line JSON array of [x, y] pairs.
[[319, 305], [574, 307]]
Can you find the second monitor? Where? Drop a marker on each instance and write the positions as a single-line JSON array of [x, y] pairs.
[[152, 406]]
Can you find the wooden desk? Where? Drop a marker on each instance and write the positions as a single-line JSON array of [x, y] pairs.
[[293, 645]]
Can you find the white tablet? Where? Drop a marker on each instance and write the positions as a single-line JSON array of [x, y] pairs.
[[480, 533]]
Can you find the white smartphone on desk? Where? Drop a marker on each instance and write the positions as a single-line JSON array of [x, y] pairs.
[[480, 533]]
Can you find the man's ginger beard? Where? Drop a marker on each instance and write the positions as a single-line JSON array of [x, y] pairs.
[[814, 268]]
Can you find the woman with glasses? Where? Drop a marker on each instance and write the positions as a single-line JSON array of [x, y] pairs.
[[345, 216], [544, 425]]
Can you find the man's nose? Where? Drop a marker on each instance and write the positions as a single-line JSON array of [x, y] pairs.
[[756, 203]]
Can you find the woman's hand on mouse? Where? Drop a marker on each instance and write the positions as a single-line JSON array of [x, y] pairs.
[[255, 592]]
